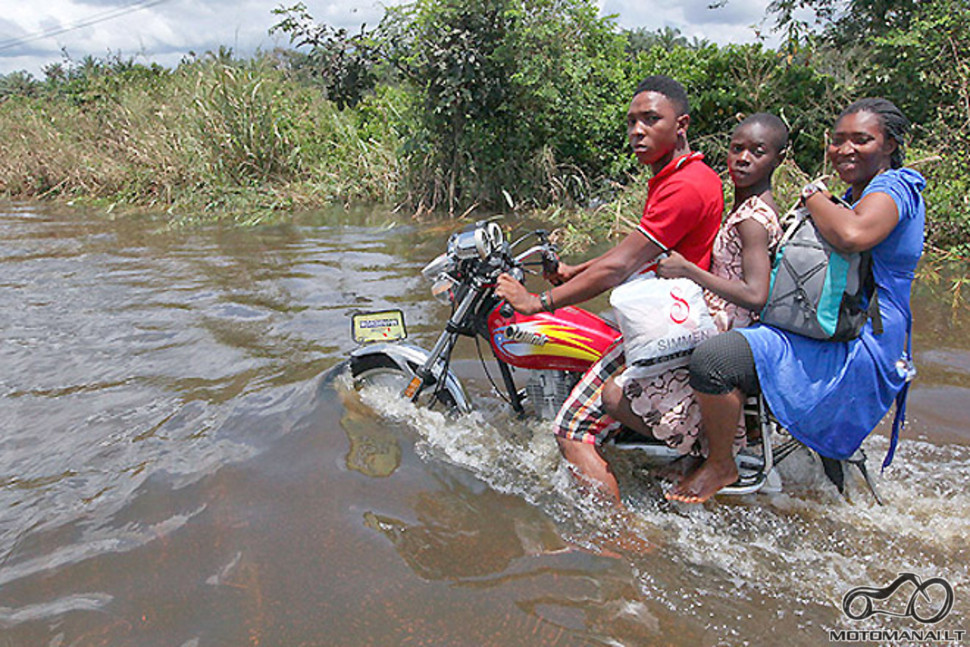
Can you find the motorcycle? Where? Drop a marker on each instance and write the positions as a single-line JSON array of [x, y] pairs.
[[555, 348]]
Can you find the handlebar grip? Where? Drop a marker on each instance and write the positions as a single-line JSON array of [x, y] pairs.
[[506, 310]]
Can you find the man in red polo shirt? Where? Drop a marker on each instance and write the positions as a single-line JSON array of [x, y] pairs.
[[683, 212]]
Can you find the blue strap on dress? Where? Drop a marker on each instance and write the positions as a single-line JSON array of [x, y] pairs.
[[899, 420]]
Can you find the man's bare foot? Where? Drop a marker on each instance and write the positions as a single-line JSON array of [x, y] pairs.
[[705, 482], [677, 469]]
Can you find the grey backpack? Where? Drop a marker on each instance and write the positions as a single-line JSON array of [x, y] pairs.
[[817, 291]]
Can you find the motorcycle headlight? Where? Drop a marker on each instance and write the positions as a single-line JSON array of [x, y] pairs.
[[443, 289], [438, 272], [479, 241], [441, 265]]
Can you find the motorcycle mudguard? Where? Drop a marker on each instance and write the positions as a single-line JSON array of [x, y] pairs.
[[408, 358]]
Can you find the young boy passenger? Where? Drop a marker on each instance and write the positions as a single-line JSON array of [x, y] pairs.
[[682, 213]]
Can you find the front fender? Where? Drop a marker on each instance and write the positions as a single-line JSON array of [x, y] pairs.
[[408, 357]]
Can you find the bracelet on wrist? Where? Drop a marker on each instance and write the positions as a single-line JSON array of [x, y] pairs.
[[810, 189], [544, 301], [545, 298]]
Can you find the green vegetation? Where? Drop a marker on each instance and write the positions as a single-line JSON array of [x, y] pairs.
[[450, 106], [213, 137]]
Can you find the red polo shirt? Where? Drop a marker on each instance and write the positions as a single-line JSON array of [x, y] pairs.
[[684, 208]]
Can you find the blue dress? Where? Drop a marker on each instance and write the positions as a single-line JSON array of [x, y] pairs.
[[831, 395]]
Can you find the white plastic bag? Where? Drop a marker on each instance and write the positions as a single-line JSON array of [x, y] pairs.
[[662, 320]]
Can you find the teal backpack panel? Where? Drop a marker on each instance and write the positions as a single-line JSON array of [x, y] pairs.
[[830, 303]]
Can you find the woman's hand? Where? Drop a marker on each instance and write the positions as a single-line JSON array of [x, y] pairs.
[[810, 189], [517, 296], [674, 266]]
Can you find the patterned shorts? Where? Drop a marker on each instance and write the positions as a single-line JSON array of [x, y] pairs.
[[582, 417], [665, 403]]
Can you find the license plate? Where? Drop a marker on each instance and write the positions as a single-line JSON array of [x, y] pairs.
[[369, 327]]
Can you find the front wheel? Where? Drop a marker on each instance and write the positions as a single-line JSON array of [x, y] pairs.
[[382, 371]]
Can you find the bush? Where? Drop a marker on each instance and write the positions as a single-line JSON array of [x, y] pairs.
[[514, 101]]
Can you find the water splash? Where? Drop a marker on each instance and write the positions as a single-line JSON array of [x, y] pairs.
[[807, 545]]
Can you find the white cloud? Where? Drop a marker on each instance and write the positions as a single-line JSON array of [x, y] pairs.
[[166, 30], [731, 23], [161, 31]]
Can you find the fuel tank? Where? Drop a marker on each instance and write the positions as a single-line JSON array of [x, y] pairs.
[[569, 339]]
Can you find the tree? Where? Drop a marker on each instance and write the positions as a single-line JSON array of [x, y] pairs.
[[341, 63], [641, 39], [509, 94], [925, 69], [19, 84], [844, 21], [917, 54]]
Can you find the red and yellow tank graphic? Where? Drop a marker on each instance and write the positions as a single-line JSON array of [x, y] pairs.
[[569, 339]]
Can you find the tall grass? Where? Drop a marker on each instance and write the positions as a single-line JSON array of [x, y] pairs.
[[213, 136]]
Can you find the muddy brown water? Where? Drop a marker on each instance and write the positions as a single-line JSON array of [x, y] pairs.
[[180, 465]]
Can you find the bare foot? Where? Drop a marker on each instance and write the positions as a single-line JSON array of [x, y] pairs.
[[705, 482], [677, 469]]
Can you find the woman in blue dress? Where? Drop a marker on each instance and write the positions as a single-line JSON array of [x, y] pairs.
[[829, 395]]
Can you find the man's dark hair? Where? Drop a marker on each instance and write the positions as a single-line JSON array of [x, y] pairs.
[[894, 122], [772, 123], [669, 88]]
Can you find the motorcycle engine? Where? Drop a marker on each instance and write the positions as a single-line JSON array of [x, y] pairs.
[[548, 390]]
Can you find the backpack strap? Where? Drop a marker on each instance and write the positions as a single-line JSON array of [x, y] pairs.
[[869, 284], [795, 217]]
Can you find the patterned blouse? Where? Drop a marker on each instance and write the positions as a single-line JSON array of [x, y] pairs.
[[726, 259]]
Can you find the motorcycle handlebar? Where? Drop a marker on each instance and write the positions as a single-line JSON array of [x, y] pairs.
[[547, 254], [513, 265]]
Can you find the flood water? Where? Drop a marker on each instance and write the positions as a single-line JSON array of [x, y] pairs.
[[181, 465]]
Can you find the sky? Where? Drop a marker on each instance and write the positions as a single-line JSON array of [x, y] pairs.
[[33, 34]]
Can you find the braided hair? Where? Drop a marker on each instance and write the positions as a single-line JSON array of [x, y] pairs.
[[894, 123]]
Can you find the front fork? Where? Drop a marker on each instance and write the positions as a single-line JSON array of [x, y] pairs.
[[432, 369], [515, 400]]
